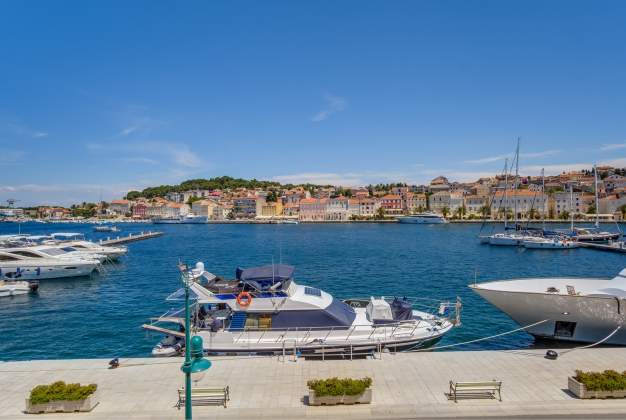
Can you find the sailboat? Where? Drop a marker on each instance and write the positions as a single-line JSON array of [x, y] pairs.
[[594, 234], [510, 236]]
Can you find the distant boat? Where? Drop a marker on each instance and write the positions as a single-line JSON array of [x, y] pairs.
[[106, 229], [423, 218], [181, 220]]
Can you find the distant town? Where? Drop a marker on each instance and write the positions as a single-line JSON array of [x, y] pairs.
[[559, 197]]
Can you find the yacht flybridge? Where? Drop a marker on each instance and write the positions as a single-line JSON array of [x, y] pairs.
[[571, 309], [264, 311]]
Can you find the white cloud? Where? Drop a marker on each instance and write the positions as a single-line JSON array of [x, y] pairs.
[[554, 169], [64, 194], [487, 159], [334, 104], [179, 153], [143, 160], [615, 146]]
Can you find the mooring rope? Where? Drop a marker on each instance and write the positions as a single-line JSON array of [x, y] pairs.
[[481, 339], [593, 344]]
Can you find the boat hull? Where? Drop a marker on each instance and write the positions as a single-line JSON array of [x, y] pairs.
[[39, 272], [570, 317], [421, 220]]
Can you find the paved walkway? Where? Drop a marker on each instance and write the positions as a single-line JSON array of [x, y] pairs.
[[405, 385]]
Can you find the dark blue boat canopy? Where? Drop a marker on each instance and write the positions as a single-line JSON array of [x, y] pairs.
[[264, 278]]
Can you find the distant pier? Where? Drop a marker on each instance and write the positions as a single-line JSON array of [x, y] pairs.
[[613, 247], [130, 238]]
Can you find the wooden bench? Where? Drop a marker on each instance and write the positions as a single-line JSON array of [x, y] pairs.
[[205, 396], [486, 389]]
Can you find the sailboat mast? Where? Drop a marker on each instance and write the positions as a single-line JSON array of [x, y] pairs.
[[595, 175], [543, 193], [571, 207], [516, 182], [506, 184]]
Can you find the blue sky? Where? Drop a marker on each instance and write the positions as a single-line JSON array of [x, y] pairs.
[[100, 97]]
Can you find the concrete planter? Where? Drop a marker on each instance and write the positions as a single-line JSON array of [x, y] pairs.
[[63, 406], [580, 390], [364, 398]]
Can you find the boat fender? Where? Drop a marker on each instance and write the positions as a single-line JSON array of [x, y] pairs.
[[38, 270], [244, 299]]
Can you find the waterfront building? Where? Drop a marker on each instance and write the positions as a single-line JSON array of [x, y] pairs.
[[360, 192], [291, 209], [271, 209], [521, 200], [246, 207], [337, 209], [415, 202], [392, 203], [474, 204], [208, 208], [580, 202], [313, 209], [119, 207], [140, 211], [53, 212], [368, 207]]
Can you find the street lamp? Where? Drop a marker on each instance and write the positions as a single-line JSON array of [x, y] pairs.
[[194, 362]]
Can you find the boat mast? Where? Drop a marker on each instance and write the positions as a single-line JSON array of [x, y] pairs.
[[571, 207], [543, 193], [506, 183], [516, 182], [595, 175]]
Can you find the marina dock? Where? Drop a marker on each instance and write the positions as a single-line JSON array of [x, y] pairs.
[[130, 238], [405, 385], [615, 247]]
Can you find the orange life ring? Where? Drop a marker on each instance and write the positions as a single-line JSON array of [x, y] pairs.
[[244, 295]]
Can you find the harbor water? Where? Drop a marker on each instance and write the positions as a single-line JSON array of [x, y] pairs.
[[101, 316]]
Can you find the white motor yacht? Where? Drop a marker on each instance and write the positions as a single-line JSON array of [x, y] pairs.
[[574, 309], [264, 311], [91, 248], [423, 218], [15, 266], [56, 251], [17, 287]]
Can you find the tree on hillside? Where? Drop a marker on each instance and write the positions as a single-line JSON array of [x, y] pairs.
[[445, 212]]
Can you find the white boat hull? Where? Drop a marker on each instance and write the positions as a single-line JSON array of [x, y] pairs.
[[504, 240], [550, 244], [14, 289], [42, 272], [594, 318]]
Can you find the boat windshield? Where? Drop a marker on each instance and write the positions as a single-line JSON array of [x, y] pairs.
[[53, 251]]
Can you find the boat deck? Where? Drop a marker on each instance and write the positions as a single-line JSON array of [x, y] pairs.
[[406, 385]]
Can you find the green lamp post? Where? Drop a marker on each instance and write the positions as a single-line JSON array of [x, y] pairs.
[[194, 362]]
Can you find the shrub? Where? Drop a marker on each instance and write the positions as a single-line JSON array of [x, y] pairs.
[[609, 380], [61, 391], [337, 386]]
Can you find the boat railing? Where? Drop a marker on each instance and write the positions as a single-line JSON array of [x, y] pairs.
[[303, 334]]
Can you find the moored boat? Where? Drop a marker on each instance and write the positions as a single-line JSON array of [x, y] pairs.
[[17, 287], [264, 311], [569, 309], [423, 218]]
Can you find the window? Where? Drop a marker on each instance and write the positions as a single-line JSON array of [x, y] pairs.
[[27, 254], [312, 291], [564, 329]]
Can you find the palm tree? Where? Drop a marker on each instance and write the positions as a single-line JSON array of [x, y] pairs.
[[485, 210], [445, 211]]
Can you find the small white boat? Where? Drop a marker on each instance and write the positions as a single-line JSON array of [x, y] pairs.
[[423, 218], [549, 243], [15, 288], [106, 228]]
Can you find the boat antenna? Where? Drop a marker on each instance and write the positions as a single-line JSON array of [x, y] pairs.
[[595, 176]]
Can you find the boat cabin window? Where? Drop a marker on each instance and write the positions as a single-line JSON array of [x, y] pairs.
[[7, 258], [27, 254], [53, 251]]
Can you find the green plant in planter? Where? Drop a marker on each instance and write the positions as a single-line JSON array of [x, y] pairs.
[[337, 386], [609, 380], [60, 391]]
